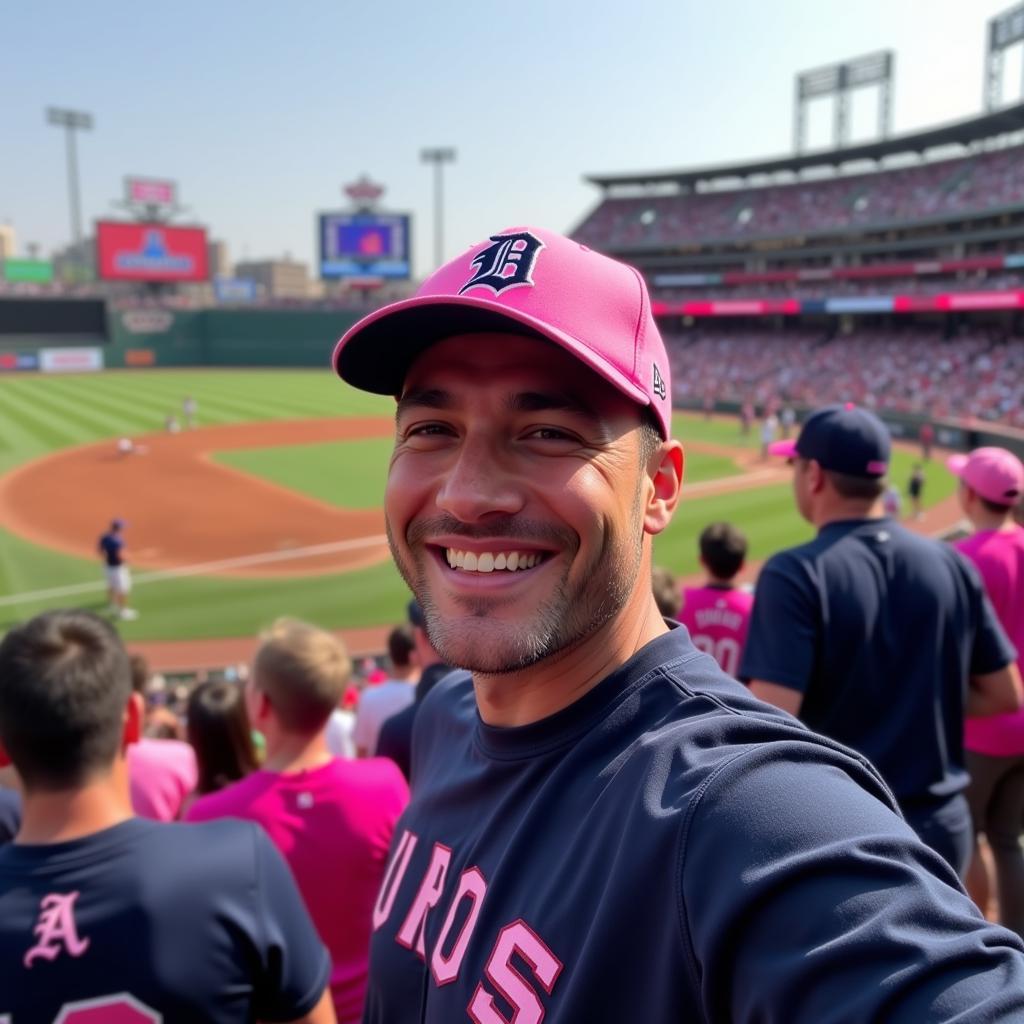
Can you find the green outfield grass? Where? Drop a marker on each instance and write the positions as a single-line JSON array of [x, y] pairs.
[[352, 474], [41, 414]]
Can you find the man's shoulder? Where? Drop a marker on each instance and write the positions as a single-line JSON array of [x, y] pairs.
[[368, 775], [453, 692], [231, 801], [213, 850], [447, 710], [793, 560]]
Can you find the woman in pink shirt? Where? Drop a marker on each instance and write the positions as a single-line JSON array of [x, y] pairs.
[[991, 484]]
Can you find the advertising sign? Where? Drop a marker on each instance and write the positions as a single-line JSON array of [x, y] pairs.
[[149, 191], [234, 289], [11, 361], [363, 245], [33, 271], [70, 360], [147, 321], [150, 252]]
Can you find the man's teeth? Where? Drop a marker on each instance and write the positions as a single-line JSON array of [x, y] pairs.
[[488, 561]]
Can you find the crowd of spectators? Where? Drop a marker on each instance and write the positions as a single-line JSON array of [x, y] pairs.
[[976, 376], [976, 183]]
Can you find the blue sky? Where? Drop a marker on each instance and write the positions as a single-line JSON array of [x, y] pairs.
[[262, 110]]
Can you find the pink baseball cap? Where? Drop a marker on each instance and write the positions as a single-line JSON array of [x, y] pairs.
[[994, 473], [524, 281]]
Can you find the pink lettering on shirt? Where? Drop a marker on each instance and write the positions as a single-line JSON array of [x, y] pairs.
[[55, 930]]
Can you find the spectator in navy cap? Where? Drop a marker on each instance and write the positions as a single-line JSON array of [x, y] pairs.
[[875, 636]]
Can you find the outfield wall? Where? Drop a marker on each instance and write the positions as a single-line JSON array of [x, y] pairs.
[[209, 337], [225, 337]]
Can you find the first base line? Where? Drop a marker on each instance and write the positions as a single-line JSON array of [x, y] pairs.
[[200, 569]]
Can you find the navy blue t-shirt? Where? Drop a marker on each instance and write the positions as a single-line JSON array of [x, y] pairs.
[[880, 629], [10, 814], [111, 545], [667, 849], [198, 923], [395, 739]]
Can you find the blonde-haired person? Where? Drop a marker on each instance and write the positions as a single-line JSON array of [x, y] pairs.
[[332, 818]]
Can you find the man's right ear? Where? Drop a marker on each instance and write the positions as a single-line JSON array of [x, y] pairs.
[[5, 760]]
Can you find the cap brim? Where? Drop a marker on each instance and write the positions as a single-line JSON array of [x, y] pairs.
[[956, 463], [375, 354], [784, 449]]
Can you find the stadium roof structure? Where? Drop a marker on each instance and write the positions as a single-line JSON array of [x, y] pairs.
[[964, 132]]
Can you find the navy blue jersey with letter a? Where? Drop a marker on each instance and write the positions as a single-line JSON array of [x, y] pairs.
[[667, 849], [146, 922]]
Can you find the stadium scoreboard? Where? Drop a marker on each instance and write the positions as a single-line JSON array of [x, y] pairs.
[[127, 251], [365, 245]]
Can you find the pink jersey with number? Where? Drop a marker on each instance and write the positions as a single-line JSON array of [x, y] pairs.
[[999, 556], [717, 620]]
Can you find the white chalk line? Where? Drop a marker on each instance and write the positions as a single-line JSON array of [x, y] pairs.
[[200, 569]]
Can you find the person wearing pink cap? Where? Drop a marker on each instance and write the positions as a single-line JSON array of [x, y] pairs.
[[603, 825], [876, 636], [991, 485]]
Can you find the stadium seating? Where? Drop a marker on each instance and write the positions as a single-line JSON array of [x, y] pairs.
[[973, 184], [976, 376]]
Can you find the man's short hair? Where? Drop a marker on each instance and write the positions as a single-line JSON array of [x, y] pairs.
[[856, 488], [65, 680], [723, 549], [401, 644], [666, 592], [303, 670], [650, 435], [994, 507], [140, 672]]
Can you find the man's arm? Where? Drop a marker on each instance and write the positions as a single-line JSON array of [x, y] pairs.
[[875, 927], [995, 693], [784, 697]]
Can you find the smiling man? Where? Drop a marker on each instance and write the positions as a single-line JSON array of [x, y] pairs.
[[605, 827]]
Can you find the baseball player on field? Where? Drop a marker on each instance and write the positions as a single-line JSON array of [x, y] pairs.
[[115, 567], [876, 636], [604, 826]]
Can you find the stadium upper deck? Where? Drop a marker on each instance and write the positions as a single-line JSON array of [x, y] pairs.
[[826, 208]]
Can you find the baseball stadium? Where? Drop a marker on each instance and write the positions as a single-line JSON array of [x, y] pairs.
[[888, 273], [619, 620]]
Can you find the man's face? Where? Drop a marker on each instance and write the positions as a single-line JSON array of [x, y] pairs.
[[514, 499]]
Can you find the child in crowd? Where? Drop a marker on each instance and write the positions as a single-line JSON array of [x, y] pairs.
[[717, 614]]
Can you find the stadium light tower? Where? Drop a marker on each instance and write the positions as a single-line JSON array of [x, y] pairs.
[[438, 156], [1004, 31], [72, 121]]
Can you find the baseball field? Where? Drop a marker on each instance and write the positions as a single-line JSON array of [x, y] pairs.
[[270, 505]]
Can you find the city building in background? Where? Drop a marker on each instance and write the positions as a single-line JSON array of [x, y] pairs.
[[277, 279], [8, 242], [217, 259]]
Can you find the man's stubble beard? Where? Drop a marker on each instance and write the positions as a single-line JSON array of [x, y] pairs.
[[480, 643]]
